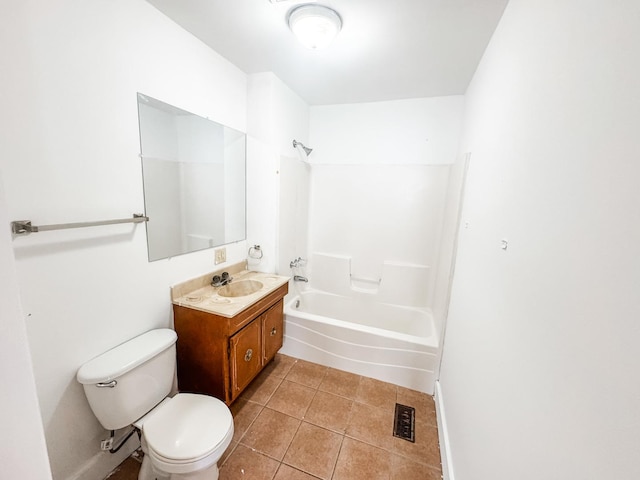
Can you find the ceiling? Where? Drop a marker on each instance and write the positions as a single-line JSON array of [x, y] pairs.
[[387, 49]]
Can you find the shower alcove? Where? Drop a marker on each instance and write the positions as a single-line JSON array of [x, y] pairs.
[[377, 243]]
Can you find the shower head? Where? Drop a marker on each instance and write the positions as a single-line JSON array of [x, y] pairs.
[[306, 150]]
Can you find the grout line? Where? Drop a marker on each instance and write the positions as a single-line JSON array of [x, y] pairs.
[[335, 464]]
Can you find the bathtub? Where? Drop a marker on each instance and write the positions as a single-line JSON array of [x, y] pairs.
[[387, 342]]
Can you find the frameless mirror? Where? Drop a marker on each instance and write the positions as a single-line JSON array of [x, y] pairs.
[[193, 172]]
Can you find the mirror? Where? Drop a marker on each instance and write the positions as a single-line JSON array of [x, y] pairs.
[[193, 172]]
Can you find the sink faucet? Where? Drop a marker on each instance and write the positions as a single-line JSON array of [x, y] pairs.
[[300, 278], [220, 280]]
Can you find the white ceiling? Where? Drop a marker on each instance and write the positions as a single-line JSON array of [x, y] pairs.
[[387, 49]]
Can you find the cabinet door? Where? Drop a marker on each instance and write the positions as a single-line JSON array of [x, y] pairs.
[[244, 357], [272, 323]]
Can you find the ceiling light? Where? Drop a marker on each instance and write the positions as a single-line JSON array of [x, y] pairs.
[[315, 25]]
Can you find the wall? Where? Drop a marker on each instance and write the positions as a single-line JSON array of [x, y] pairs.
[[540, 371], [69, 152], [276, 116], [413, 131], [23, 452]]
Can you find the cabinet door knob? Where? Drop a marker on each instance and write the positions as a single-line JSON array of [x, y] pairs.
[[248, 355], [273, 331]]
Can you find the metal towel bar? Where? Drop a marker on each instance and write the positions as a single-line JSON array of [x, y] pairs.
[[24, 227]]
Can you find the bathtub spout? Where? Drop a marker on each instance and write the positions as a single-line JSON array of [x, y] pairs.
[[300, 278]]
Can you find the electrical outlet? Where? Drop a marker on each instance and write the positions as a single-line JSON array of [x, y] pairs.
[[221, 255], [106, 444]]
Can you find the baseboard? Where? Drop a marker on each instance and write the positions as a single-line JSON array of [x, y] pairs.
[[443, 435], [102, 463]]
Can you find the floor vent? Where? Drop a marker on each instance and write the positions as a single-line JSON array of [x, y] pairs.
[[404, 424]]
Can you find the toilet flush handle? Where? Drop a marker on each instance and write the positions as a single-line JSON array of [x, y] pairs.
[[110, 384]]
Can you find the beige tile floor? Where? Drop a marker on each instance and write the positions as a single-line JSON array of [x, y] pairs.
[[303, 421]]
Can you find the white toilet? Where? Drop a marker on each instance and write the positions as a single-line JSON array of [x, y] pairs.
[[182, 437]]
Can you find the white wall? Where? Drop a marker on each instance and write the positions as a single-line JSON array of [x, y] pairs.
[[276, 116], [23, 452], [412, 131], [69, 152], [540, 369]]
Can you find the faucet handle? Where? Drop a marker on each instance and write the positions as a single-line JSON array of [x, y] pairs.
[[298, 262], [218, 280]]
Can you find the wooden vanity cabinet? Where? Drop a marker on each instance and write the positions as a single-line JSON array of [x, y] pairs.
[[220, 356]]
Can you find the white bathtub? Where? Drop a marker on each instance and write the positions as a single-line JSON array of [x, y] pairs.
[[388, 342]]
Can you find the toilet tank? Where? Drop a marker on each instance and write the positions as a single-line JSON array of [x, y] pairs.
[[127, 381]]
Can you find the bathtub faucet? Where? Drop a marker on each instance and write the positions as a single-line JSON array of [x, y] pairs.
[[300, 278]]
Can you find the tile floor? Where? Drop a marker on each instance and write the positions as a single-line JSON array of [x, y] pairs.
[[303, 421]]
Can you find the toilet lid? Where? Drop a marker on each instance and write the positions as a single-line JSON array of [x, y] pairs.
[[188, 427]]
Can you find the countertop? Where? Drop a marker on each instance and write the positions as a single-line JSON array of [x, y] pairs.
[[206, 298]]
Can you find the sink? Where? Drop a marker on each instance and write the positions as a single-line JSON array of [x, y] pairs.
[[240, 289]]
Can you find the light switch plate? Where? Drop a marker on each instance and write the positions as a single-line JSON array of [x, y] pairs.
[[221, 255]]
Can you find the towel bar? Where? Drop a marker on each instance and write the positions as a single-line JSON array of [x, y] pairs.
[[24, 227]]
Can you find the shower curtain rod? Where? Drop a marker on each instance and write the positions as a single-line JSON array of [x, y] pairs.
[[24, 227]]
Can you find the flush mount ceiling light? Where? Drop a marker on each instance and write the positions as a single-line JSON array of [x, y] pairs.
[[315, 25]]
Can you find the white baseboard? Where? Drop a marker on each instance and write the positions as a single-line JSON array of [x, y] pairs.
[[443, 435], [102, 463]]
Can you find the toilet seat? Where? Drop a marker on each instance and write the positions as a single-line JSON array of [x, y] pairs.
[[188, 433]]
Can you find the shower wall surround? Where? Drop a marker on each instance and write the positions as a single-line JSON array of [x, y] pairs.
[[276, 114], [381, 196], [293, 218], [382, 217]]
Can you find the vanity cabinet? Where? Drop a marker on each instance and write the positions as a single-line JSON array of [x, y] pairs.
[[220, 355]]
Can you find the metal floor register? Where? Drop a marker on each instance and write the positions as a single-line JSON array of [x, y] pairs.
[[404, 424]]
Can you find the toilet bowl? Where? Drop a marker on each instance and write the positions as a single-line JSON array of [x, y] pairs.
[[185, 437]]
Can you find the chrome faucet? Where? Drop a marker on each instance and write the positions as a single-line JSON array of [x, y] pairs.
[[300, 278], [220, 280]]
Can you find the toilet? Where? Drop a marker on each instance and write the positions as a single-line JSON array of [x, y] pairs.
[[183, 437]]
